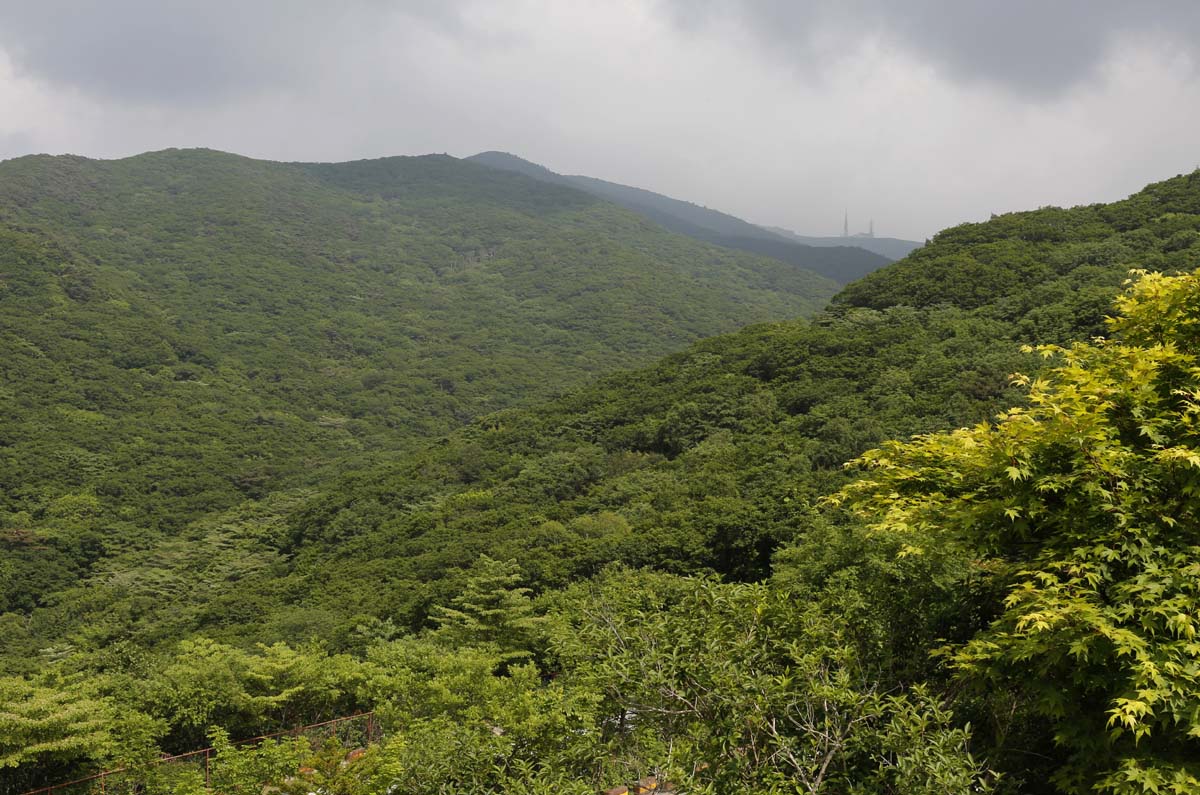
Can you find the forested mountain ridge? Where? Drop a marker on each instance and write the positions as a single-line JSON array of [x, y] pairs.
[[1001, 260], [185, 329], [766, 612], [842, 262], [698, 218]]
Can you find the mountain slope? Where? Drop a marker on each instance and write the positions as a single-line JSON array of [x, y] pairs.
[[706, 455], [708, 460], [842, 263], [185, 329], [399, 587]]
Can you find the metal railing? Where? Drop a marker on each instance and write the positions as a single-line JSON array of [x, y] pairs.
[[363, 730]]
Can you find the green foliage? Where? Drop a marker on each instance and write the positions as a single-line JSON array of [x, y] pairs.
[[1089, 499], [921, 752], [1002, 262], [246, 770], [331, 770], [492, 610], [42, 723], [741, 688], [455, 724], [185, 330], [49, 728], [207, 683], [226, 522]]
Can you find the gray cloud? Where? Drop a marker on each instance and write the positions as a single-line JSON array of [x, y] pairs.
[[1036, 48], [920, 114], [17, 142], [183, 51], [179, 52]]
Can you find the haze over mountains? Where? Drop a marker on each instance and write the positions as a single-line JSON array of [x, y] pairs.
[[842, 259], [891, 247]]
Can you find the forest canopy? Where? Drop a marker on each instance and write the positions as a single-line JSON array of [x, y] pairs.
[[667, 572]]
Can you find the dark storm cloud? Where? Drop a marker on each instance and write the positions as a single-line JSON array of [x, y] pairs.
[[1036, 48], [173, 52]]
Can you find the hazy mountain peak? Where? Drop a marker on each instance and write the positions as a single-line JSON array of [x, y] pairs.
[[842, 263]]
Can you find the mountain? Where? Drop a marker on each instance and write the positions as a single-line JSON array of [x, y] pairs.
[[893, 248], [183, 330], [670, 562], [765, 414], [841, 262]]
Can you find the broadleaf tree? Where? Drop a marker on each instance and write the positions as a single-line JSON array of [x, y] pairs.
[[1088, 498]]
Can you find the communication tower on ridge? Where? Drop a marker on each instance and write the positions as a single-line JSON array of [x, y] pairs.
[[846, 228]]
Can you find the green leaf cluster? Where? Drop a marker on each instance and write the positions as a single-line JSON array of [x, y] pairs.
[[1085, 503]]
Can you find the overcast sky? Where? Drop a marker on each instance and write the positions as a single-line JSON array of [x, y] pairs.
[[919, 114]]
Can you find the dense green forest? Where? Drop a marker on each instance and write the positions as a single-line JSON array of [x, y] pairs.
[[671, 570], [184, 330], [841, 260]]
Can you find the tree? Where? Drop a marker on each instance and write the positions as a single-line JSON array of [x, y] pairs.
[[1089, 502], [725, 687], [491, 609], [62, 729]]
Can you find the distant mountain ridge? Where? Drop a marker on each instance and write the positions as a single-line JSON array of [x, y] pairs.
[[839, 261], [893, 248]]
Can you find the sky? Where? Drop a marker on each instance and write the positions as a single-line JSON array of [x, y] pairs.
[[919, 114]]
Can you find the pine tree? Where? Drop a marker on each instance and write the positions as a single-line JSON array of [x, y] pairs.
[[492, 609]]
